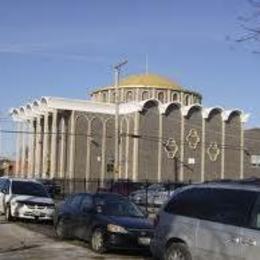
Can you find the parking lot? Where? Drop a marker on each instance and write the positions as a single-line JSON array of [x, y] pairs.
[[30, 240]]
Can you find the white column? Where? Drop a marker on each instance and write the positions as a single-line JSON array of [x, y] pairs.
[[103, 153], [160, 148], [223, 150], [38, 147], [72, 145], [242, 151], [62, 148], [127, 150], [24, 138], [182, 149], [31, 152], [54, 144], [45, 145], [18, 148], [136, 146], [203, 151]]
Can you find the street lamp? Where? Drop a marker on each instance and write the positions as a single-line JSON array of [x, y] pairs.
[[117, 70]]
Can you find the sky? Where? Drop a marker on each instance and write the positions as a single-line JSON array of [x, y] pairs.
[[67, 48]]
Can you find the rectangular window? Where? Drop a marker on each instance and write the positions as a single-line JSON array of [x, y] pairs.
[[255, 160]]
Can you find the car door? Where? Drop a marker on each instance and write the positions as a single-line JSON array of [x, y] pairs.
[[250, 235], [2, 195], [85, 217], [71, 214], [222, 214]]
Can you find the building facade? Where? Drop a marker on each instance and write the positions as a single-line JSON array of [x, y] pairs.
[[165, 134]]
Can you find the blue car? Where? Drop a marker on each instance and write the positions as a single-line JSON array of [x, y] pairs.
[[106, 220]]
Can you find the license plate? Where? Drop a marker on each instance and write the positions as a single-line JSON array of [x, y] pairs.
[[144, 241]]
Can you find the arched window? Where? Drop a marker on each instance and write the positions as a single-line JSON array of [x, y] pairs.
[[187, 100], [145, 95], [161, 96], [175, 97], [113, 97], [104, 97], [129, 96]]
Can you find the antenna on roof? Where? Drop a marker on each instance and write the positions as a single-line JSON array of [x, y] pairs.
[[146, 64]]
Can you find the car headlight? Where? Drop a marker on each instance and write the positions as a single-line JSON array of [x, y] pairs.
[[116, 229], [17, 203]]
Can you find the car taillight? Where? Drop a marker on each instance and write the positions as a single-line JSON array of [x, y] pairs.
[[156, 220]]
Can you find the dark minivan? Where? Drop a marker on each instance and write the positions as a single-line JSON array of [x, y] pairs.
[[106, 220]]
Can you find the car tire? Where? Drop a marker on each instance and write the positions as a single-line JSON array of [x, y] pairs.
[[8, 214], [97, 241], [61, 229], [177, 251]]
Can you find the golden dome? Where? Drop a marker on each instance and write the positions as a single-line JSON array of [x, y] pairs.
[[149, 80]]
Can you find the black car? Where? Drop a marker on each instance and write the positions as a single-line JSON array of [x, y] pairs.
[[106, 220]]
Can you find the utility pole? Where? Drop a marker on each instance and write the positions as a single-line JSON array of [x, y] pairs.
[[117, 70]]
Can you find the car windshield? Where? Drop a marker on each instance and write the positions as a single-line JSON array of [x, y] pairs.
[[28, 188], [118, 207]]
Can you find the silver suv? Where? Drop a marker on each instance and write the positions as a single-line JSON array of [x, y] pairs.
[[210, 221]]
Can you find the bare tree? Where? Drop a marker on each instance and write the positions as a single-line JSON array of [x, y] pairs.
[[250, 25]]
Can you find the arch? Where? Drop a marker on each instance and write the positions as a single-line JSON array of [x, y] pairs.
[[148, 141], [233, 146], [188, 110], [171, 133], [109, 147], [129, 96], [148, 103], [187, 100], [213, 143], [104, 97], [96, 135], [226, 115], [145, 95], [161, 96], [172, 105], [192, 143], [208, 112], [80, 150], [113, 97], [175, 96]]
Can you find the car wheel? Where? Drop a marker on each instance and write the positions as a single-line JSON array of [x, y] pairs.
[[98, 241], [177, 251], [61, 229], [8, 214]]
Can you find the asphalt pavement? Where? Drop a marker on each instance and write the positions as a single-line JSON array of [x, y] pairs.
[[25, 240]]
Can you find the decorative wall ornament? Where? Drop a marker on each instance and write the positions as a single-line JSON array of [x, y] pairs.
[[193, 138], [171, 148], [213, 151]]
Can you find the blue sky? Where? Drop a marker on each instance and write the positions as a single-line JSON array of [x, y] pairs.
[[67, 48]]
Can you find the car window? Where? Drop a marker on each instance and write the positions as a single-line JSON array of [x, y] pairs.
[[29, 188], [217, 205], [118, 207], [86, 202], [6, 185]]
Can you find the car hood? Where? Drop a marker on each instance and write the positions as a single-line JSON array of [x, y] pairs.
[[131, 222], [35, 199]]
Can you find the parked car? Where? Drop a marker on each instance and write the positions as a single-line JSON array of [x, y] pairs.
[[51, 186], [106, 220], [28, 199], [155, 194], [210, 221]]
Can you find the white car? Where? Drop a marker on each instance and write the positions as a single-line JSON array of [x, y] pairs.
[[24, 198]]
